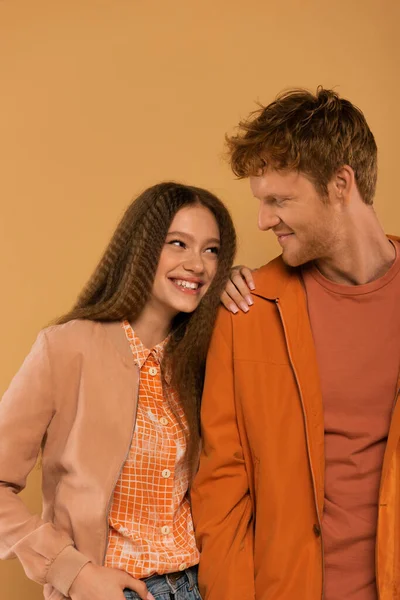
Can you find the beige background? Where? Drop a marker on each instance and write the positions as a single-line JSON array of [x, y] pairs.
[[99, 99]]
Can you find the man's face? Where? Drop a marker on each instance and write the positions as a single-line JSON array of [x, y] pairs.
[[305, 223]]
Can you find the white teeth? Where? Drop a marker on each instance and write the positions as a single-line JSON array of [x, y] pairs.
[[186, 284]]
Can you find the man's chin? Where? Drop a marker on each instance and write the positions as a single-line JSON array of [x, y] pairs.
[[293, 260]]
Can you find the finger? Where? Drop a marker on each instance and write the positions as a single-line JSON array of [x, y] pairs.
[[137, 586], [237, 268], [248, 275], [241, 287], [227, 302], [236, 297]]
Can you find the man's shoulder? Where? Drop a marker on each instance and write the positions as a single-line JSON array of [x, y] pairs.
[[272, 278], [273, 268]]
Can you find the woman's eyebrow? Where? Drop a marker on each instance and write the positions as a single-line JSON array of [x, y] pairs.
[[191, 237]]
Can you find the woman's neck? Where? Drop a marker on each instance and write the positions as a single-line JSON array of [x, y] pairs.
[[152, 326]]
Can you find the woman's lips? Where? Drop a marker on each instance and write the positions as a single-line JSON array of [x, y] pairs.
[[187, 290]]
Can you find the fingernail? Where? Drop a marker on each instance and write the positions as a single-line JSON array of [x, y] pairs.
[[252, 286], [150, 597], [233, 308], [249, 300], [244, 307]]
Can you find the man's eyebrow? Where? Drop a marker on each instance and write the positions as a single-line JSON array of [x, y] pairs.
[[191, 237], [275, 196]]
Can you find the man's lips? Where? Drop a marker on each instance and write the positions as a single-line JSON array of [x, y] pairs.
[[282, 237]]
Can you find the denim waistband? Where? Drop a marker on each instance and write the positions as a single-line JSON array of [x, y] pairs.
[[161, 584]]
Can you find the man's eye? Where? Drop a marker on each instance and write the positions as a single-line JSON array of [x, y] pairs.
[[282, 201]]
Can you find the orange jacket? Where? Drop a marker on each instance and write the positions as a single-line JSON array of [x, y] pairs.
[[259, 494]]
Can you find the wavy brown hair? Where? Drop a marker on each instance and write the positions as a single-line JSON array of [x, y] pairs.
[[315, 134], [122, 282]]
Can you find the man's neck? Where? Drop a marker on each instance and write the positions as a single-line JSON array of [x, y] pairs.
[[362, 254]]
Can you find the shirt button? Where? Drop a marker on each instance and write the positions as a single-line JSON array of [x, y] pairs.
[[165, 530], [166, 473], [317, 530], [153, 371], [164, 421], [182, 567]]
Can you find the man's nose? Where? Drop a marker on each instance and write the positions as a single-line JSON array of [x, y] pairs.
[[267, 217]]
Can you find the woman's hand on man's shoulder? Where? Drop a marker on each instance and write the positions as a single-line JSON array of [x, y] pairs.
[[237, 293]]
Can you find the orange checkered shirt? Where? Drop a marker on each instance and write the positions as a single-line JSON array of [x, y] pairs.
[[150, 523]]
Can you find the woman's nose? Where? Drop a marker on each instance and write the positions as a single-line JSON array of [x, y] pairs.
[[194, 263]]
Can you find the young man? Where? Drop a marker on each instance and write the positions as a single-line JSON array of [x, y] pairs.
[[298, 492]]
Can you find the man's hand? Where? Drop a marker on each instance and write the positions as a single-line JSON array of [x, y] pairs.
[[237, 291], [101, 583]]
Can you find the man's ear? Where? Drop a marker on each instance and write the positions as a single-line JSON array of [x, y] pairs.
[[342, 184]]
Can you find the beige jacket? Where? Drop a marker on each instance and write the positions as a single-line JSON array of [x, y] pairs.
[[75, 396]]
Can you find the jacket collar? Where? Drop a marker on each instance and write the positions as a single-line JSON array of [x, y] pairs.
[[272, 279]]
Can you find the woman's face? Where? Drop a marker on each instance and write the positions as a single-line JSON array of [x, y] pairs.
[[188, 261]]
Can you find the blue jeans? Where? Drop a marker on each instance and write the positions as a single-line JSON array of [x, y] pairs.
[[183, 588]]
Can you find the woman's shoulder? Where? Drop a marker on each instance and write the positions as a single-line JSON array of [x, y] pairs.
[[79, 336], [70, 332], [83, 337]]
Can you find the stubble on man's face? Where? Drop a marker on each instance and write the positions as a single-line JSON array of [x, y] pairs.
[[313, 240], [304, 221]]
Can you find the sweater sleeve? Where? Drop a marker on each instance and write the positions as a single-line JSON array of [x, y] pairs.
[[221, 503], [47, 554]]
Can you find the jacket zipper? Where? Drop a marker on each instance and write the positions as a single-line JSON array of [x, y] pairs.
[[307, 438], [119, 474]]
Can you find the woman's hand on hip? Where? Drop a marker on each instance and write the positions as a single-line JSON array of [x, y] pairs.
[[102, 583]]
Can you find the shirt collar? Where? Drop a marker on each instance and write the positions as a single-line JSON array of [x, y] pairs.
[[141, 353]]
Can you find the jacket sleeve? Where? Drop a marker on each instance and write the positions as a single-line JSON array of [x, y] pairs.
[[47, 554], [221, 504]]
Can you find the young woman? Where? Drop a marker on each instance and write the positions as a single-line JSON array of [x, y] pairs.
[[111, 395]]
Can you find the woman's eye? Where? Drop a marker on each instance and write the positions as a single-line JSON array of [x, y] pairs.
[[213, 250], [177, 243]]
